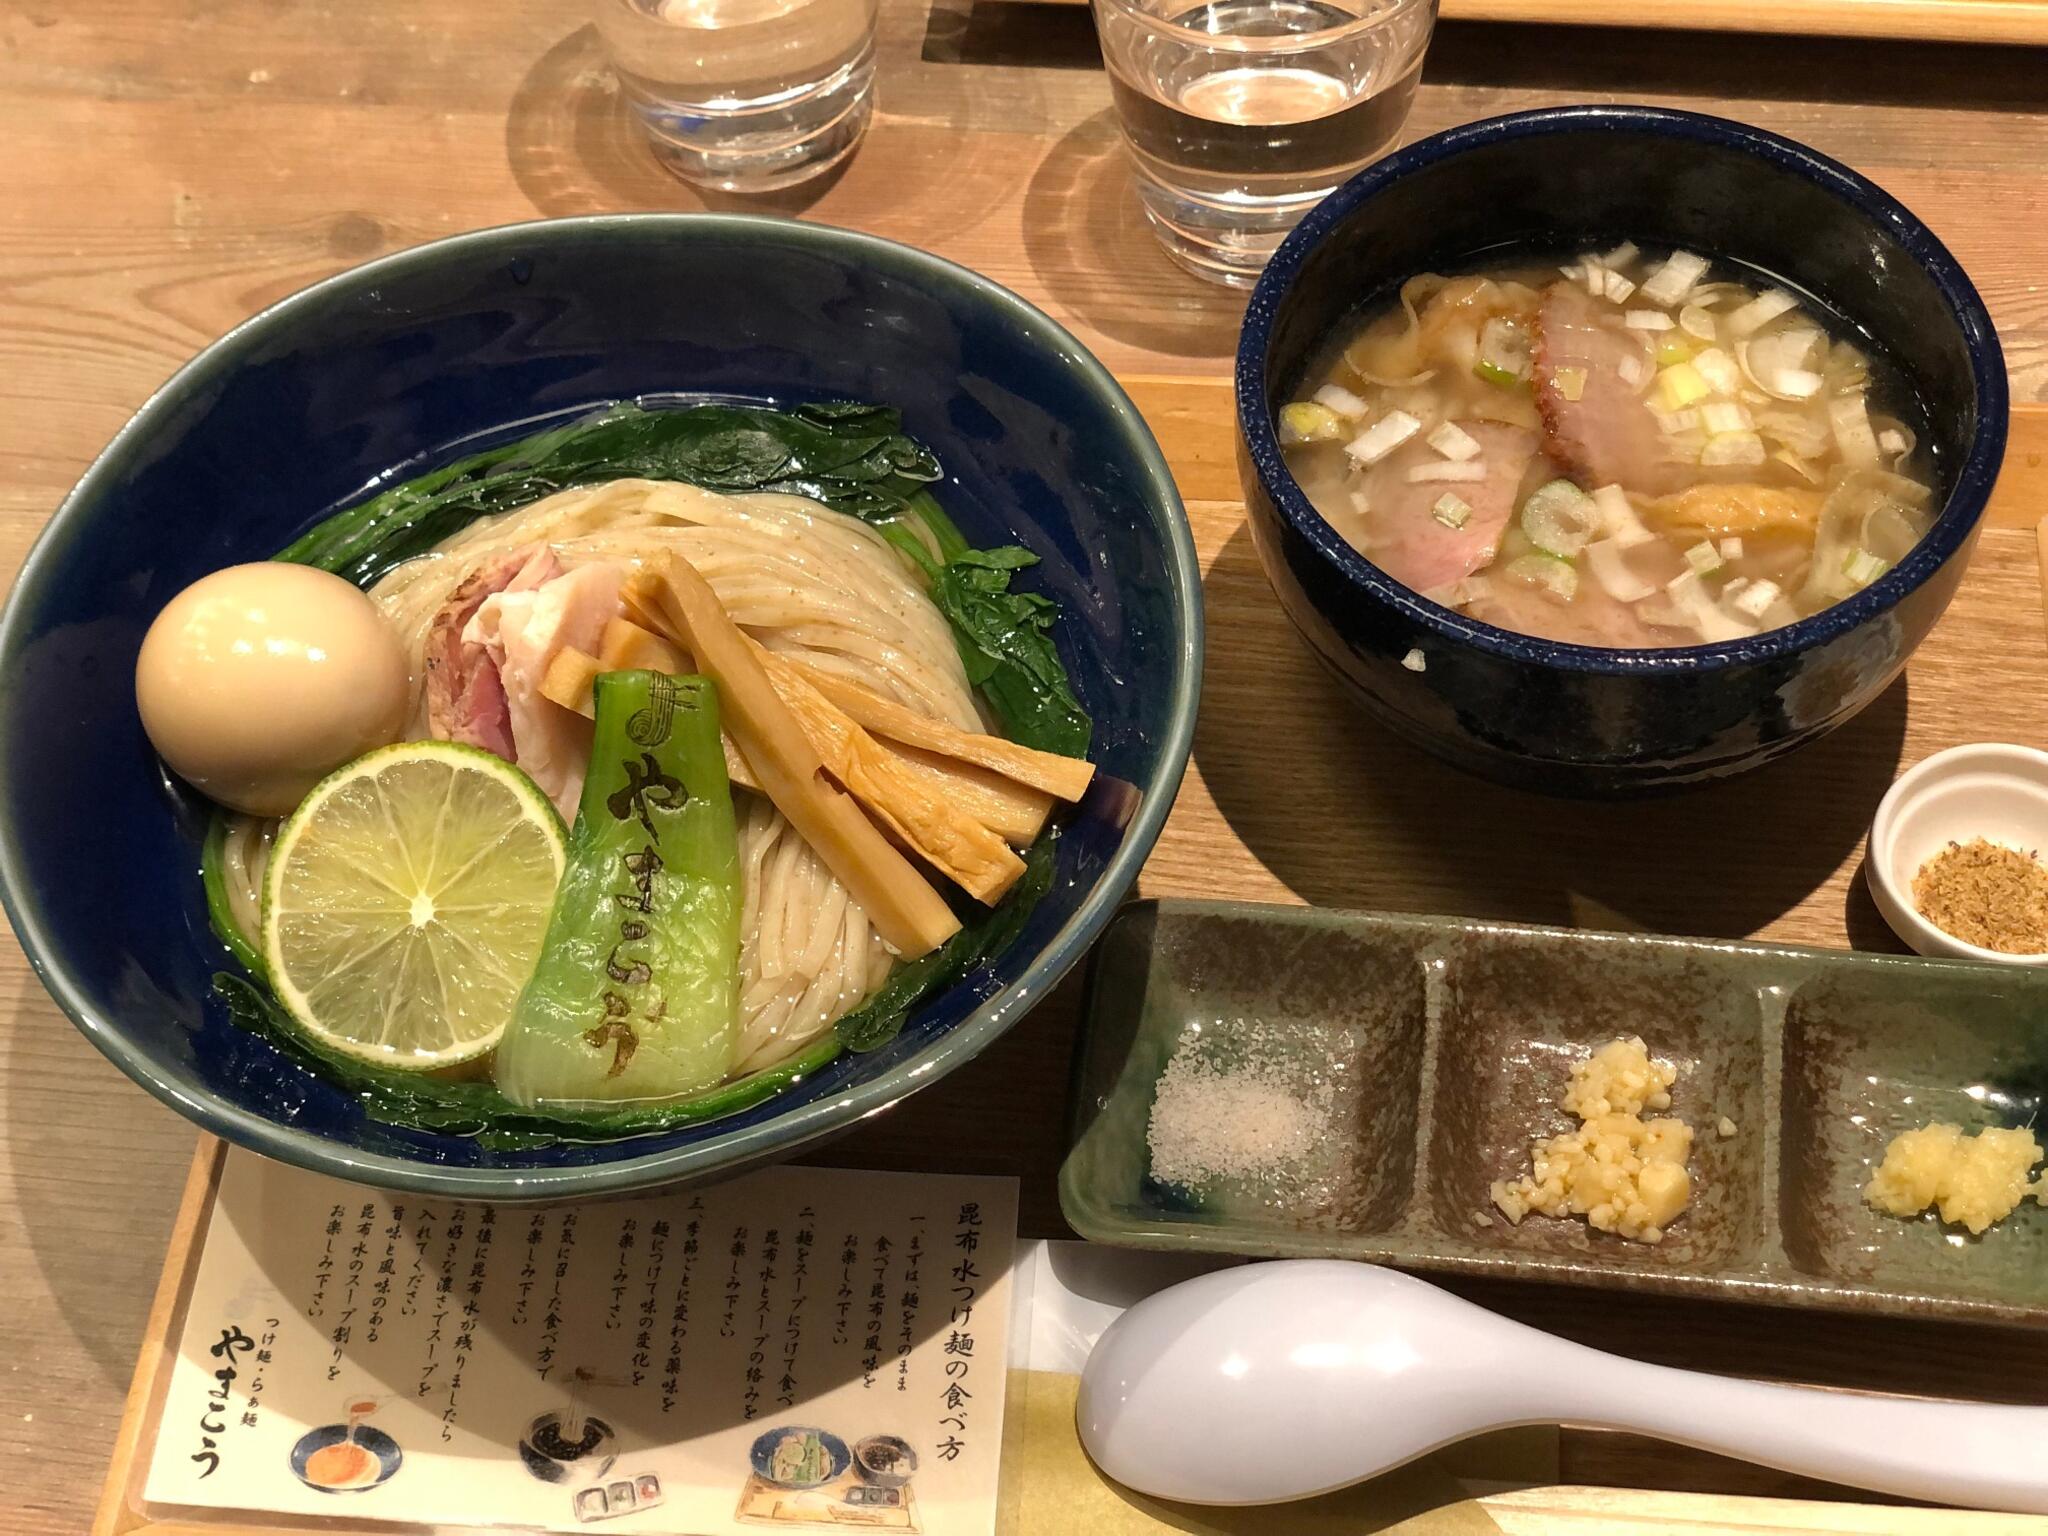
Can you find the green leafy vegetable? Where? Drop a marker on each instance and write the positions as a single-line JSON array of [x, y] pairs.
[[454, 1107], [854, 458], [636, 995], [1004, 637], [1005, 643]]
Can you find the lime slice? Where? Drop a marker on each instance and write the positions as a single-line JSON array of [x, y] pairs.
[[406, 902]]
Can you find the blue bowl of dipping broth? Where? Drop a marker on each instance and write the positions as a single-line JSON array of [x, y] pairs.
[[1579, 719], [408, 361]]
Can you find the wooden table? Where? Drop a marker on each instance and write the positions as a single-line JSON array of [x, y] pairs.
[[170, 165]]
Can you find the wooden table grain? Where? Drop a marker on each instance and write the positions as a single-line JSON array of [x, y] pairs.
[[171, 165]]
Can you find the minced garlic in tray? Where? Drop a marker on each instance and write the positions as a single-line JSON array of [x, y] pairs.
[[1976, 1181], [1624, 1174]]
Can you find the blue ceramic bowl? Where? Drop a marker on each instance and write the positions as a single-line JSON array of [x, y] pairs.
[[294, 413], [1581, 719]]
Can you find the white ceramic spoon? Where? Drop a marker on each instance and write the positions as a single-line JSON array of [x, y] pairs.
[[1278, 1381]]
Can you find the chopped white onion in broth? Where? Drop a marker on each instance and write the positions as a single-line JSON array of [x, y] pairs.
[[1719, 416], [1756, 598], [1697, 321], [1719, 370], [1798, 430], [1777, 362], [1760, 311], [1690, 596], [1337, 398], [1618, 519], [1448, 472], [1454, 442], [1607, 559], [1674, 279], [1383, 437], [1451, 510]]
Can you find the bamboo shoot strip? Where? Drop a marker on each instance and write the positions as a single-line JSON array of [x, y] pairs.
[[961, 849], [1065, 778], [671, 598], [1012, 811]]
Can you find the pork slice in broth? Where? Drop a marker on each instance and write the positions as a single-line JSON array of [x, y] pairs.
[[1607, 435], [1406, 539], [1592, 617]]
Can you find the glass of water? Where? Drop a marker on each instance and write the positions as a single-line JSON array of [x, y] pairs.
[[1241, 115], [746, 95]]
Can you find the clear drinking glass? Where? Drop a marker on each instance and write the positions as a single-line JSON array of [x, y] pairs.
[[1241, 115], [746, 95]]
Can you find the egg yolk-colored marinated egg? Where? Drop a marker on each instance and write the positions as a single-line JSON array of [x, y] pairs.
[[258, 680]]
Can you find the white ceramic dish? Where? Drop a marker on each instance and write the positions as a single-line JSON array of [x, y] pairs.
[[1988, 790]]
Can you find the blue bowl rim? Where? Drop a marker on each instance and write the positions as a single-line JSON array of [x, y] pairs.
[[783, 1135], [1954, 526]]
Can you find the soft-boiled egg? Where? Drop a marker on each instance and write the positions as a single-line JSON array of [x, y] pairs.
[[258, 680]]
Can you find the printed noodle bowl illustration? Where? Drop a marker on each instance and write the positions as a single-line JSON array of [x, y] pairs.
[[799, 1456]]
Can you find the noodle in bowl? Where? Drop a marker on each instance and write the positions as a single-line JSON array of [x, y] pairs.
[[805, 581]]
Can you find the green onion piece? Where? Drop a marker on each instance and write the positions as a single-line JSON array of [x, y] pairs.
[[1560, 519], [1554, 578], [1503, 353]]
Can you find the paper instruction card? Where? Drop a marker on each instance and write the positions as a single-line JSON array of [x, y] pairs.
[[801, 1349]]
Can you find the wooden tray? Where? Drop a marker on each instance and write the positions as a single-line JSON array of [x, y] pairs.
[[1561, 1504], [2018, 22], [1220, 843]]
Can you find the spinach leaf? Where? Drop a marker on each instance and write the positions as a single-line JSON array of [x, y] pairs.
[[854, 458], [1005, 643]]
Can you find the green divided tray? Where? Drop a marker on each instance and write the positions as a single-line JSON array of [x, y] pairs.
[[1440, 1048]]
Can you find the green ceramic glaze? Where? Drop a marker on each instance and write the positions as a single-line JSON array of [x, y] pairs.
[[1443, 1046]]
